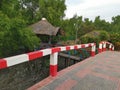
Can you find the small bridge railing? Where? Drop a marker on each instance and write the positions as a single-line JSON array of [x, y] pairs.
[[53, 52], [103, 44]]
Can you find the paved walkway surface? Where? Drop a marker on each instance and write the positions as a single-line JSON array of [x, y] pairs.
[[101, 72]]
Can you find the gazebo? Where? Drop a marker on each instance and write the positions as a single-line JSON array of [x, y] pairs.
[[45, 30]]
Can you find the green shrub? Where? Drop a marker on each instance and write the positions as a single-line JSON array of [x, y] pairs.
[[84, 39], [95, 36], [117, 46], [88, 39], [104, 36], [115, 37]]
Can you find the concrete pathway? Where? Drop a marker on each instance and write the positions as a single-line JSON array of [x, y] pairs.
[[101, 72]]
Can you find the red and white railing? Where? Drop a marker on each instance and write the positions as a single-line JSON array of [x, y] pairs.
[[103, 44], [53, 52]]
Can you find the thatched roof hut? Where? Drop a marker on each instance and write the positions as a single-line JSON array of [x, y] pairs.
[[43, 27]]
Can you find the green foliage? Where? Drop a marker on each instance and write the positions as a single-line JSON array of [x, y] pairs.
[[14, 35], [104, 36], [84, 39], [107, 30], [115, 25], [10, 7], [34, 10], [16, 15], [101, 24], [115, 32], [115, 37], [95, 36], [117, 45], [90, 39], [29, 10], [71, 27], [53, 10]]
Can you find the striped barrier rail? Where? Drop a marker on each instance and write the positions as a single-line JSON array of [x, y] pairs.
[[102, 46], [53, 52]]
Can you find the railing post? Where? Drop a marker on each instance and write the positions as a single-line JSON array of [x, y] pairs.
[[113, 48], [100, 48], [93, 50], [53, 64], [104, 46], [110, 47]]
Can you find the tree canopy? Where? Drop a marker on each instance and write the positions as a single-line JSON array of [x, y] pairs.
[[14, 33], [17, 15]]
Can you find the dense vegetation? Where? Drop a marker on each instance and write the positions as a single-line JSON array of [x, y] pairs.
[[77, 26], [17, 15]]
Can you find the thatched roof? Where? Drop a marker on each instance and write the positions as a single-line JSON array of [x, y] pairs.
[[43, 27], [94, 33]]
